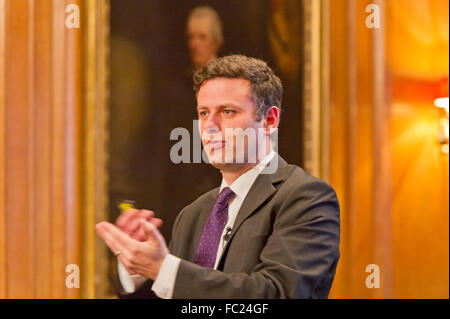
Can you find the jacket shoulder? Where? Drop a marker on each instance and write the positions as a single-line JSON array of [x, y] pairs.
[[304, 191], [300, 179], [203, 199]]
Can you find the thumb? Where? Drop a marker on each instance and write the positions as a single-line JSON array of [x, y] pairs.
[[152, 232]]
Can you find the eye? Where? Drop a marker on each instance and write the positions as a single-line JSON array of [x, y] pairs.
[[228, 112], [202, 113]]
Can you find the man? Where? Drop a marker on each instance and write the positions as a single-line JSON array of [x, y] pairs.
[[204, 35], [260, 234]]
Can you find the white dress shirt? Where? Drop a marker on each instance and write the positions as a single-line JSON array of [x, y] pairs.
[[165, 281]]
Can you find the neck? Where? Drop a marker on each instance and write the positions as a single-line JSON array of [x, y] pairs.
[[230, 174]]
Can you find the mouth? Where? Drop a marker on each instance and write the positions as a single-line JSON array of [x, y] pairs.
[[215, 144]]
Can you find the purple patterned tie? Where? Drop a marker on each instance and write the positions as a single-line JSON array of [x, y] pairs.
[[209, 242]]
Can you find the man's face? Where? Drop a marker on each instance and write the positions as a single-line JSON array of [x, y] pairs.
[[202, 46], [224, 105]]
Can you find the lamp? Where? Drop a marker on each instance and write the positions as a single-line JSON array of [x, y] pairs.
[[442, 103]]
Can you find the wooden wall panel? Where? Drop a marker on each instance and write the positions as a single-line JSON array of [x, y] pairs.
[[338, 141], [352, 143], [40, 149], [421, 204], [18, 107], [418, 49], [386, 165], [95, 265], [3, 279], [73, 139], [382, 159]]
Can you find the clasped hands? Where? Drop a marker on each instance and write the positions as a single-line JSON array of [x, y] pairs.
[[136, 236]]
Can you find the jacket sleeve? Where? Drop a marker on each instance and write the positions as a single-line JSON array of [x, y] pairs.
[[298, 261]]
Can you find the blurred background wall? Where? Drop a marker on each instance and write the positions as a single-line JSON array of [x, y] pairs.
[[52, 148], [379, 128], [385, 159]]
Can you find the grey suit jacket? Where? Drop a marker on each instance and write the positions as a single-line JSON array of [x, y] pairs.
[[284, 243]]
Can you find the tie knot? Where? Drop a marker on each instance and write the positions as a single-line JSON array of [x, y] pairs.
[[225, 195]]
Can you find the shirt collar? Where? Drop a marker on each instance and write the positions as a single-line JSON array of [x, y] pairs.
[[241, 186]]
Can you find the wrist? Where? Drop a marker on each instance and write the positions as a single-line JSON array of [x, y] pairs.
[[157, 267]]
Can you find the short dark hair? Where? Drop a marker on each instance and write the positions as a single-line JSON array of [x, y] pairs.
[[265, 86]]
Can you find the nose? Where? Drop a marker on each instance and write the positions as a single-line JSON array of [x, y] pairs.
[[211, 122], [194, 43], [209, 127]]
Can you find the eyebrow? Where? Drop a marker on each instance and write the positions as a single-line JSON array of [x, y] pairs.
[[222, 106]]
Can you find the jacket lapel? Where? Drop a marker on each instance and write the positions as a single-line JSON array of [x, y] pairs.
[[262, 189]]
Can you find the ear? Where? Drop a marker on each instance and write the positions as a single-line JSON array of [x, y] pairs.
[[272, 119]]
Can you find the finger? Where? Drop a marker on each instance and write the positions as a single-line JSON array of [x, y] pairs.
[[125, 217], [147, 214], [115, 236], [113, 245], [139, 232], [157, 222], [132, 220], [135, 223], [152, 232]]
